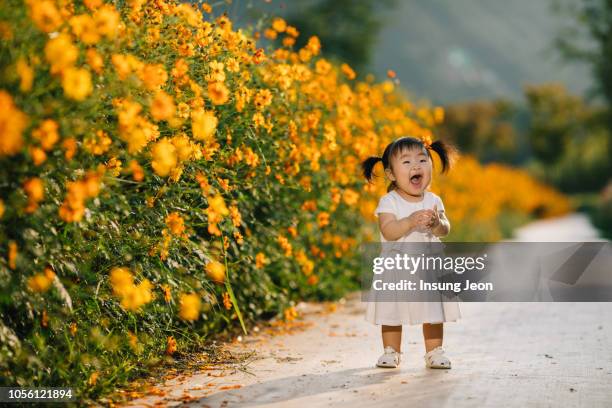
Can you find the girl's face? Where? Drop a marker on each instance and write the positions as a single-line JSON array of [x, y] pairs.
[[411, 172]]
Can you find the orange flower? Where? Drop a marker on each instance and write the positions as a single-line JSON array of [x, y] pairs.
[[218, 93], [153, 76], [227, 303], [162, 107], [137, 171], [348, 71], [35, 191], [12, 124], [61, 53], [260, 260], [38, 155], [45, 15], [41, 281], [94, 60], [12, 254], [175, 223], [46, 134], [70, 147], [167, 293], [170, 346]]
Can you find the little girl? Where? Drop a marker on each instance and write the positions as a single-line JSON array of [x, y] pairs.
[[411, 213]]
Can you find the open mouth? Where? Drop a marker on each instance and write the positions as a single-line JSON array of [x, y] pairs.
[[416, 179]]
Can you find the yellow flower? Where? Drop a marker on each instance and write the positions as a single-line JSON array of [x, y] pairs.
[[98, 144], [93, 4], [216, 73], [132, 296], [190, 305], [73, 329], [279, 25], [215, 271], [162, 107], [121, 279], [263, 98], [185, 149], [218, 93], [26, 75], [61, 53], [122, 65], [216, 208], [77, 83], [94, 60], [113, 165], [84, 28], [137, 296], [348, 71], [203, 124], [350, 197], [290, 313], [164, 157], [106, 20]]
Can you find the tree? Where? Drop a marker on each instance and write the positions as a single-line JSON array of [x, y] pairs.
[[589, 39], [348, 29]]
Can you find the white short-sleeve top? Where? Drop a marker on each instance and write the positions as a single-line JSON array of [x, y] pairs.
[[394, 203]]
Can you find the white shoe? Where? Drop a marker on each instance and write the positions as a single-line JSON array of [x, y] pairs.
[[389, 359], [436, 359]]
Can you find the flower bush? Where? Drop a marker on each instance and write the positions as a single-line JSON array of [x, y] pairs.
[[163, 179]]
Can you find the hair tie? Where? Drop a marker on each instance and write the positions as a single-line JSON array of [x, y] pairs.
[[427, 143]]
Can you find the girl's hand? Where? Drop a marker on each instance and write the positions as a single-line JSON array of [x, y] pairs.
[[420, 220], [435, 218]]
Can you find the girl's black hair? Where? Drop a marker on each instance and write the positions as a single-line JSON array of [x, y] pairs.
[[443, 149]]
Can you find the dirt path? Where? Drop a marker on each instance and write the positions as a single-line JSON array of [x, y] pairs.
[[503, 355]]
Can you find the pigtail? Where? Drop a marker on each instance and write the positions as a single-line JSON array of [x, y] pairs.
[[368, 166], [446, 152]]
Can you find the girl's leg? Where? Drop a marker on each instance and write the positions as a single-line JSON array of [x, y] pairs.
[[433, 334], [392, 336]]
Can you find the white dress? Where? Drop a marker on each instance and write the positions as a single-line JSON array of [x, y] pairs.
[[399, 313]]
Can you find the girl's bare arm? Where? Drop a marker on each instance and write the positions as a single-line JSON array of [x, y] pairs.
[[393, 229]]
